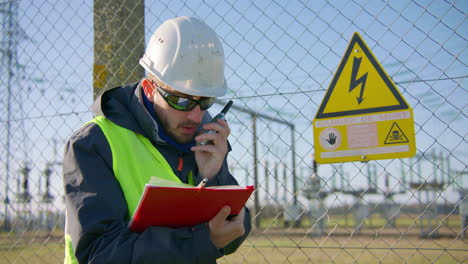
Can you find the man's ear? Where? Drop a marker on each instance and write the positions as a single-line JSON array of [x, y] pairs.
[[148, 89]]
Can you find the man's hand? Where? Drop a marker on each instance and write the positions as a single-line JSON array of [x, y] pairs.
[[210, 158], [223, 231]]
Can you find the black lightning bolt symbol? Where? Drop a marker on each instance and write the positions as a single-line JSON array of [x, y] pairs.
[[361, 80]]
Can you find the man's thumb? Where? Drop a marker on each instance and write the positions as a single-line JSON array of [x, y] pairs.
[[223, 214]]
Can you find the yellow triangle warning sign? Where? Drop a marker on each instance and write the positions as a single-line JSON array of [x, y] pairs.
[[360, 86], [395, 135]]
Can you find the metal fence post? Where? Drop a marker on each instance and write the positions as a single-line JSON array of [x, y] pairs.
[[255, 164]]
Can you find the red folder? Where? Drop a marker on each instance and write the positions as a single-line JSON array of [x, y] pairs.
[[178, 207]]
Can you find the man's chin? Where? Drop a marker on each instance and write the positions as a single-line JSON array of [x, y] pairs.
[[183, 139]]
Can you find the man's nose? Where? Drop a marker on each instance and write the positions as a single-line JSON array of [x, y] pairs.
[[196, 114]]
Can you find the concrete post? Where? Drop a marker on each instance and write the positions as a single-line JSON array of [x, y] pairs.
[[119, 42]]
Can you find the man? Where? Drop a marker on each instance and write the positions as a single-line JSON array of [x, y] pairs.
[[151, 129]]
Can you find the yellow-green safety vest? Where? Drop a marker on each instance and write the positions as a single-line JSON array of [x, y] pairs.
[[134, 161]]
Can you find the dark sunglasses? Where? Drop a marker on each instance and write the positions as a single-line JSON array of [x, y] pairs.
[[184, 103]]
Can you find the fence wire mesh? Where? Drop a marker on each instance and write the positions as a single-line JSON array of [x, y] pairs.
[[281, 57]]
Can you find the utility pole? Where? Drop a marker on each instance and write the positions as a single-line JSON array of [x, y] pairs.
[[119, 43]]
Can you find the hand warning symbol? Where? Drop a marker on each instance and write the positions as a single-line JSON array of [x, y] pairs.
[[331, 139]]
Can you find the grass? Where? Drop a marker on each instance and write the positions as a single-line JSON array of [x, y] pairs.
[[373, 222], [274, 244], [50, 252], [31, 247], [344, 250], [294, 250]]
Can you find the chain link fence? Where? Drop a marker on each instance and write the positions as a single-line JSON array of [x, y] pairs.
[[281, 56]]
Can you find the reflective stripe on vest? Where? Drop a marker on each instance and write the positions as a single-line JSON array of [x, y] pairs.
[[134, 161]]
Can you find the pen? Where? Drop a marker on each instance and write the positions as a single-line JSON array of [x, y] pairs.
[[202, 183]]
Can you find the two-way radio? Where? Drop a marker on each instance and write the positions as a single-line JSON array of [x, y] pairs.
[[221, 115]]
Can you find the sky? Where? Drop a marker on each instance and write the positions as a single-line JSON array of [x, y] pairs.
[[280, 58]]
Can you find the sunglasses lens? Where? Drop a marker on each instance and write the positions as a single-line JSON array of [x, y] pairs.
[[179, 103], [177, 107], [206, 103], [186, 104]]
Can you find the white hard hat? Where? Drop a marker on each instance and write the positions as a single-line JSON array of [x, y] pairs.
[[186, 54]]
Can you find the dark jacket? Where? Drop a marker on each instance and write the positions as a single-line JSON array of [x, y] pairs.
[[97, 214]]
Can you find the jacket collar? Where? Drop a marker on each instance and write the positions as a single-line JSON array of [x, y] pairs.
[[125, 106]]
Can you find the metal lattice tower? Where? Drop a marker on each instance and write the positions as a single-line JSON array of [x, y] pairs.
[[10, 72]]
